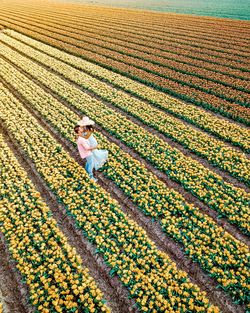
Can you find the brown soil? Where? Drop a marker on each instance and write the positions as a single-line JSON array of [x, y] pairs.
[[135, 78], [225, 175], [160, 175], [164, 111], [154, 231], [115, 294]]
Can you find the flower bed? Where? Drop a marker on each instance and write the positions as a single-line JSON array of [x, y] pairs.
[[230, 201], [202, 239], [50, 267], [151, 277]]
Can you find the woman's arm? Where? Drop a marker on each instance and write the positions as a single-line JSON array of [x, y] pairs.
[[85, 145], [88, 134]]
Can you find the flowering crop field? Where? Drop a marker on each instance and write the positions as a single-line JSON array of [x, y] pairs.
[[166, 226]]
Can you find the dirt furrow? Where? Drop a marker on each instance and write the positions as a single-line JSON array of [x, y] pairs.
[[188, 123], [13, 292], [147, 21], [116, 295], [188, 153], [172, 32], [223, 112], [164, 110], [225, 175], [160, 175], [127, 44], [154, 231]]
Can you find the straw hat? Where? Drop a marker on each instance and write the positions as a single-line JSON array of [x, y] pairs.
[[85, 121]]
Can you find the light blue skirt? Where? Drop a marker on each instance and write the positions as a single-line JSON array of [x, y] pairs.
[[100, 157]]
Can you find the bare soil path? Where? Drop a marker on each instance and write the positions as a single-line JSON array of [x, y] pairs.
[[143, 100], [115, 294], [225, 175], [153, 229], [160, 175]]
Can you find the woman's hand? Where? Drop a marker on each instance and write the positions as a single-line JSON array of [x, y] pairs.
[[91, 148], [88, 134]]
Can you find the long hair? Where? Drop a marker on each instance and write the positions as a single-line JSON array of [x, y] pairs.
[[90, 128], [76, 129]]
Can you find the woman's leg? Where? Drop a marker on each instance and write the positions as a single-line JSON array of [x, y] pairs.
[[90, 165]]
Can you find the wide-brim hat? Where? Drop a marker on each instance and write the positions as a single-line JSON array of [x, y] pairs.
[[85, 121]]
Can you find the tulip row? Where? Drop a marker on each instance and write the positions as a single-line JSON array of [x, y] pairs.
[[220, 82], [168, 69], [123, 66], [230, 201], [161, 29], [216, 72], [153, 197], [205, 28], [233, 133], [151, 277], [160, 76], [170, 30], [219, 154], [176, 46], [119, 26], [172, 53], [207, 48], [168, 33], [153, 30], [186, 73], [186, 93], [52, 270], [209, 28], [167, 36]]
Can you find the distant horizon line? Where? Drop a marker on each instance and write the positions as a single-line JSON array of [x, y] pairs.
[[155, 10]]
